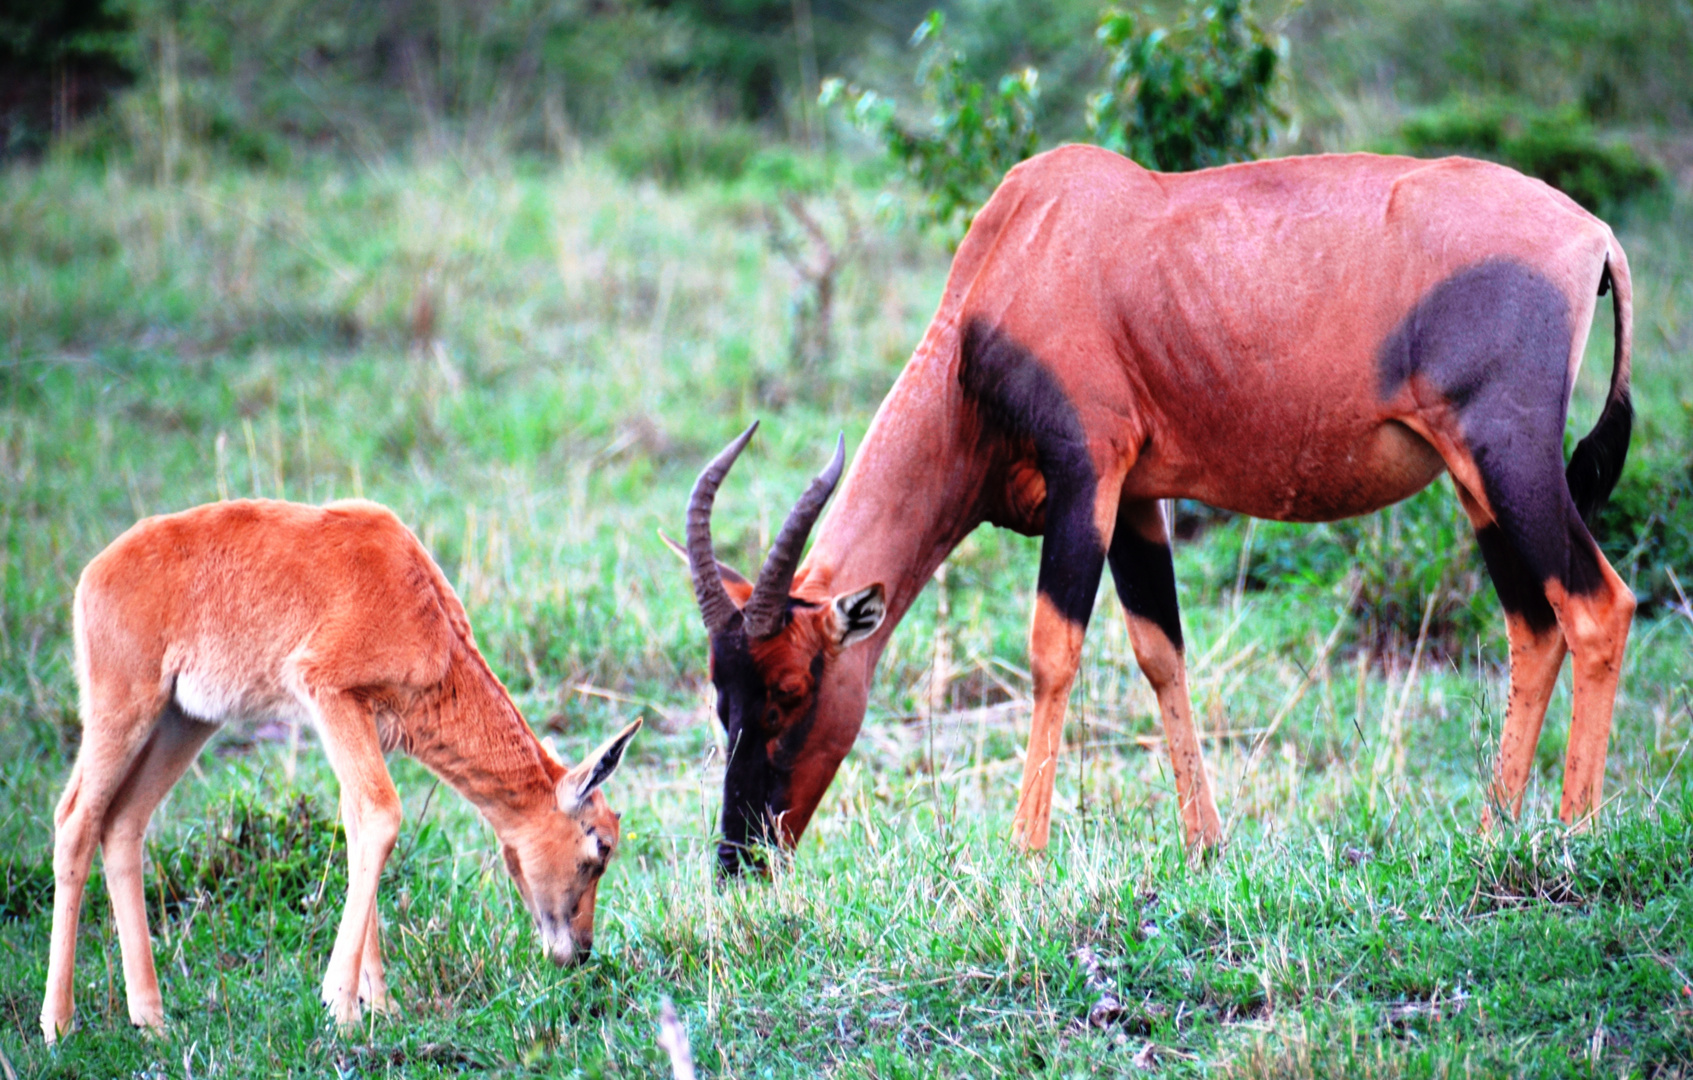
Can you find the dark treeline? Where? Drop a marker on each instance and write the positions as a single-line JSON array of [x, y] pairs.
[[258, 80]]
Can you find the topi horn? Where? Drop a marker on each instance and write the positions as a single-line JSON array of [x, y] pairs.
[[716, 607], [769, 600]]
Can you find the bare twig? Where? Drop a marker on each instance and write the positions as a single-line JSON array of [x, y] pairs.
[[1683, 608], [818, 267]]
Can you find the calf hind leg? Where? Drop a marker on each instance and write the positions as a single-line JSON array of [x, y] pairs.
[[1146, 584], [169, 751], [118, 722]]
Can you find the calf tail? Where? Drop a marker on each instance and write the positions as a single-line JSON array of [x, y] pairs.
[[1598, 459]]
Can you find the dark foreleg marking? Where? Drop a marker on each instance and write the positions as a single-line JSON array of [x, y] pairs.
[[1146, 579], [1021, 402]]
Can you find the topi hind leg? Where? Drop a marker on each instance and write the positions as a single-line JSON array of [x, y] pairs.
[[1146, 584], [1596, 621], [1483, 364], [1537, 653], [1072, 560], [174, 744], [117, 723], [1543, 559]]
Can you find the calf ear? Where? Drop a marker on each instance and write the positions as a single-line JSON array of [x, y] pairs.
[[858, 614], [575, 786]]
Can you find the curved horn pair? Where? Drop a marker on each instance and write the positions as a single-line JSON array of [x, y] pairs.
[[763, 614]]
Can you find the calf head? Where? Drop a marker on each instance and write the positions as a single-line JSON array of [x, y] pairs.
[[556, 856], [771, 658]]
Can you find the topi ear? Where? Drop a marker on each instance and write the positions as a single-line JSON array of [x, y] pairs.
[[575, 786], [858, 614], [551, 748], [729, 575]]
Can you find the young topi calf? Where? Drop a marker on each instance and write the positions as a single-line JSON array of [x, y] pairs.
[[330, 615]]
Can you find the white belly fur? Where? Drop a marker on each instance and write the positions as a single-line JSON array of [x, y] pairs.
[[217, 701]]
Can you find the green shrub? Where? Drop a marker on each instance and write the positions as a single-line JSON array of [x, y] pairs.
[[1646, 529], [1558, 146], [677, 143], [1405, 557], [1201, 94], [978, 132]]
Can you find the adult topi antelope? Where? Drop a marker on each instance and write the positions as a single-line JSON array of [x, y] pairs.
[[1302, 339], [333, 616]]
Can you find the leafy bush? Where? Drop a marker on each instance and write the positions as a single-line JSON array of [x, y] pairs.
[[678, 142], [1558, 146], [1406, 557], [978, 132], [1200, 95], [1646, 529]]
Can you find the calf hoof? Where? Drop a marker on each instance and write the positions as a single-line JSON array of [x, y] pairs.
[[55, 1026], [373, 995], [343, 1008]]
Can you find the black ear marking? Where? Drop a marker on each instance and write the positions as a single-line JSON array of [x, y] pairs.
[[858, 614], [581, 781]]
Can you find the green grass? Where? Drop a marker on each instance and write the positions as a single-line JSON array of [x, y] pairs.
[[589, 343]]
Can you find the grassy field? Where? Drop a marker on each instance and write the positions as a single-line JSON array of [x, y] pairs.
[[529, 363]]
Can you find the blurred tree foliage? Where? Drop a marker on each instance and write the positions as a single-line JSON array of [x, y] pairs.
[[1560, 146], [250, 77], [680, 88], [1618, 61], [58, 61], [1200, 95], [978, 132]]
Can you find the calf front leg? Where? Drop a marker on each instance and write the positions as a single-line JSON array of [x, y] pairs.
[[370, 807], [373, 979]]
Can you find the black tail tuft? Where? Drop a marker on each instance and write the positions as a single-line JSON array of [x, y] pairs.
[[1598, 459]]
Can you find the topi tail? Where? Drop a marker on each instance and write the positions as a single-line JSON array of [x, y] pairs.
[[1598, 459]]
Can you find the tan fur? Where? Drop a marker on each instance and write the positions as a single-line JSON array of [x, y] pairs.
[[333, 616]]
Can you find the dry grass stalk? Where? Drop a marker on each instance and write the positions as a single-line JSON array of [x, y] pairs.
[[1310, 677], [1396, 718], [673, 1040]]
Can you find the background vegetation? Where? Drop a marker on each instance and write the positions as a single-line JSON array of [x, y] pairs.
[[516, 269]]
